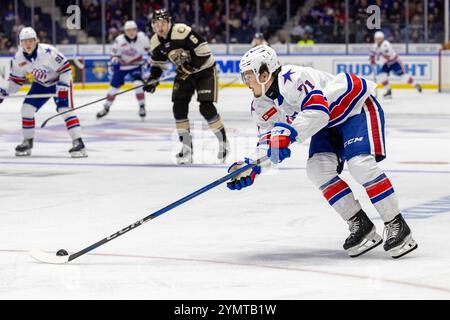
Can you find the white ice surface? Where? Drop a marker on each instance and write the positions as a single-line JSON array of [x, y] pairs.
[[277, 240]]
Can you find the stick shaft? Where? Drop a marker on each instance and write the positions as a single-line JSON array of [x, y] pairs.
[[166, 208], [31, 96]]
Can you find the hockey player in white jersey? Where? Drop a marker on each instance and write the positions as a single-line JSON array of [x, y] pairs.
[[51, 74], [392, 63], [127, 58], [345, 123]]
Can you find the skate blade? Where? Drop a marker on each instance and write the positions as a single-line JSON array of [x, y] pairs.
[[185, 161], [371, 241], [79, 154], [23, 154], [406, 247]]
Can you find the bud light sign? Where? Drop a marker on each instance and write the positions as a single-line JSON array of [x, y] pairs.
[[420, 69]]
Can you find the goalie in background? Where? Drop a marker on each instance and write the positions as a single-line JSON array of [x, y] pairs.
[[127, 59], [195, 71]]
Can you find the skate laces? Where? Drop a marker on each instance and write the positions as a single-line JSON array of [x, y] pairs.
[[354, 226], [391, 230]]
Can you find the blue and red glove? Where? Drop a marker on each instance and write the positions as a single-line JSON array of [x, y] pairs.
[[3, 93], [245, 178], [62, 95], [281, 136]]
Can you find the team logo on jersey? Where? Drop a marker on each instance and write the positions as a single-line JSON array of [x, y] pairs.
[[22, 63], [131, 52], [39, 74], [181, 29], [100, 69]]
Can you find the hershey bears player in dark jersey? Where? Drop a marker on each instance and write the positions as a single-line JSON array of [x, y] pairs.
[[195, 71]]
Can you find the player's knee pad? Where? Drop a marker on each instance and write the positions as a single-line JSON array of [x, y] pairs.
[[364, 168], [208, 110], [180, 109], [28, 111], [321, 168]]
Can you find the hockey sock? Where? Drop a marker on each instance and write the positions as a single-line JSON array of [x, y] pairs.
[[217, 127], [183, 129], [28, 121], [140, 95], [72, 123], [110, 97], [339, 195]]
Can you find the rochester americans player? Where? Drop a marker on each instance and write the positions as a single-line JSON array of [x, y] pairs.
[[392, 63], [345, 123], [52, 74], [127, 59]]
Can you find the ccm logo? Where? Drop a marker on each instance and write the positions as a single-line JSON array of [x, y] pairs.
[[131, 227], [350, 141]]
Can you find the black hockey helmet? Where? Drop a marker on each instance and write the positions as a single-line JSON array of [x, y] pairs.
[[161, 14]]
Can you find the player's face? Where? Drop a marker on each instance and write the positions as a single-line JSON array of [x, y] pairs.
[[161, 27], [258, 42], [28, 45], [249, 79], [378, 41], [131, 33]]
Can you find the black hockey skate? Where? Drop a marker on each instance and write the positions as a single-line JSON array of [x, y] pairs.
[[103, 112], [78, 150], [185, 156], [398, 238], [388, 94], [142, 112], [363, 236], [24, 149], [418, 87]]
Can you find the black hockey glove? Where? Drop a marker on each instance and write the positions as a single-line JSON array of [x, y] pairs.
[[150, 85]]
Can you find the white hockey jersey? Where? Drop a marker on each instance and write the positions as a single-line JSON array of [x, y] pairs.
[[130, 53], [47, 66], [384, 50], [309, 100]]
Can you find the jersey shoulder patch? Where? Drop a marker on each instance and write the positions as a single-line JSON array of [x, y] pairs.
[[154, 42], [180, 31]]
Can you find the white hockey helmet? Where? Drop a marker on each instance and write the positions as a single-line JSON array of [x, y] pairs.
[[130, 25], [27, 33], [254, 58], [379, 35]]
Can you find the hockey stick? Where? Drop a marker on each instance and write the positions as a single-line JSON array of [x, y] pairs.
[[102, 99], [46, 257], [229, 83], [31, 96]]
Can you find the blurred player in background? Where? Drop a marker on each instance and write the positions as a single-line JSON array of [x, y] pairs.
[[52, 74], [195, 71], [258, 39], [127, 59], [391, 63], [345, 123]]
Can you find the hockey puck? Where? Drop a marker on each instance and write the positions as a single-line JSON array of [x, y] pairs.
[[62, 252]]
